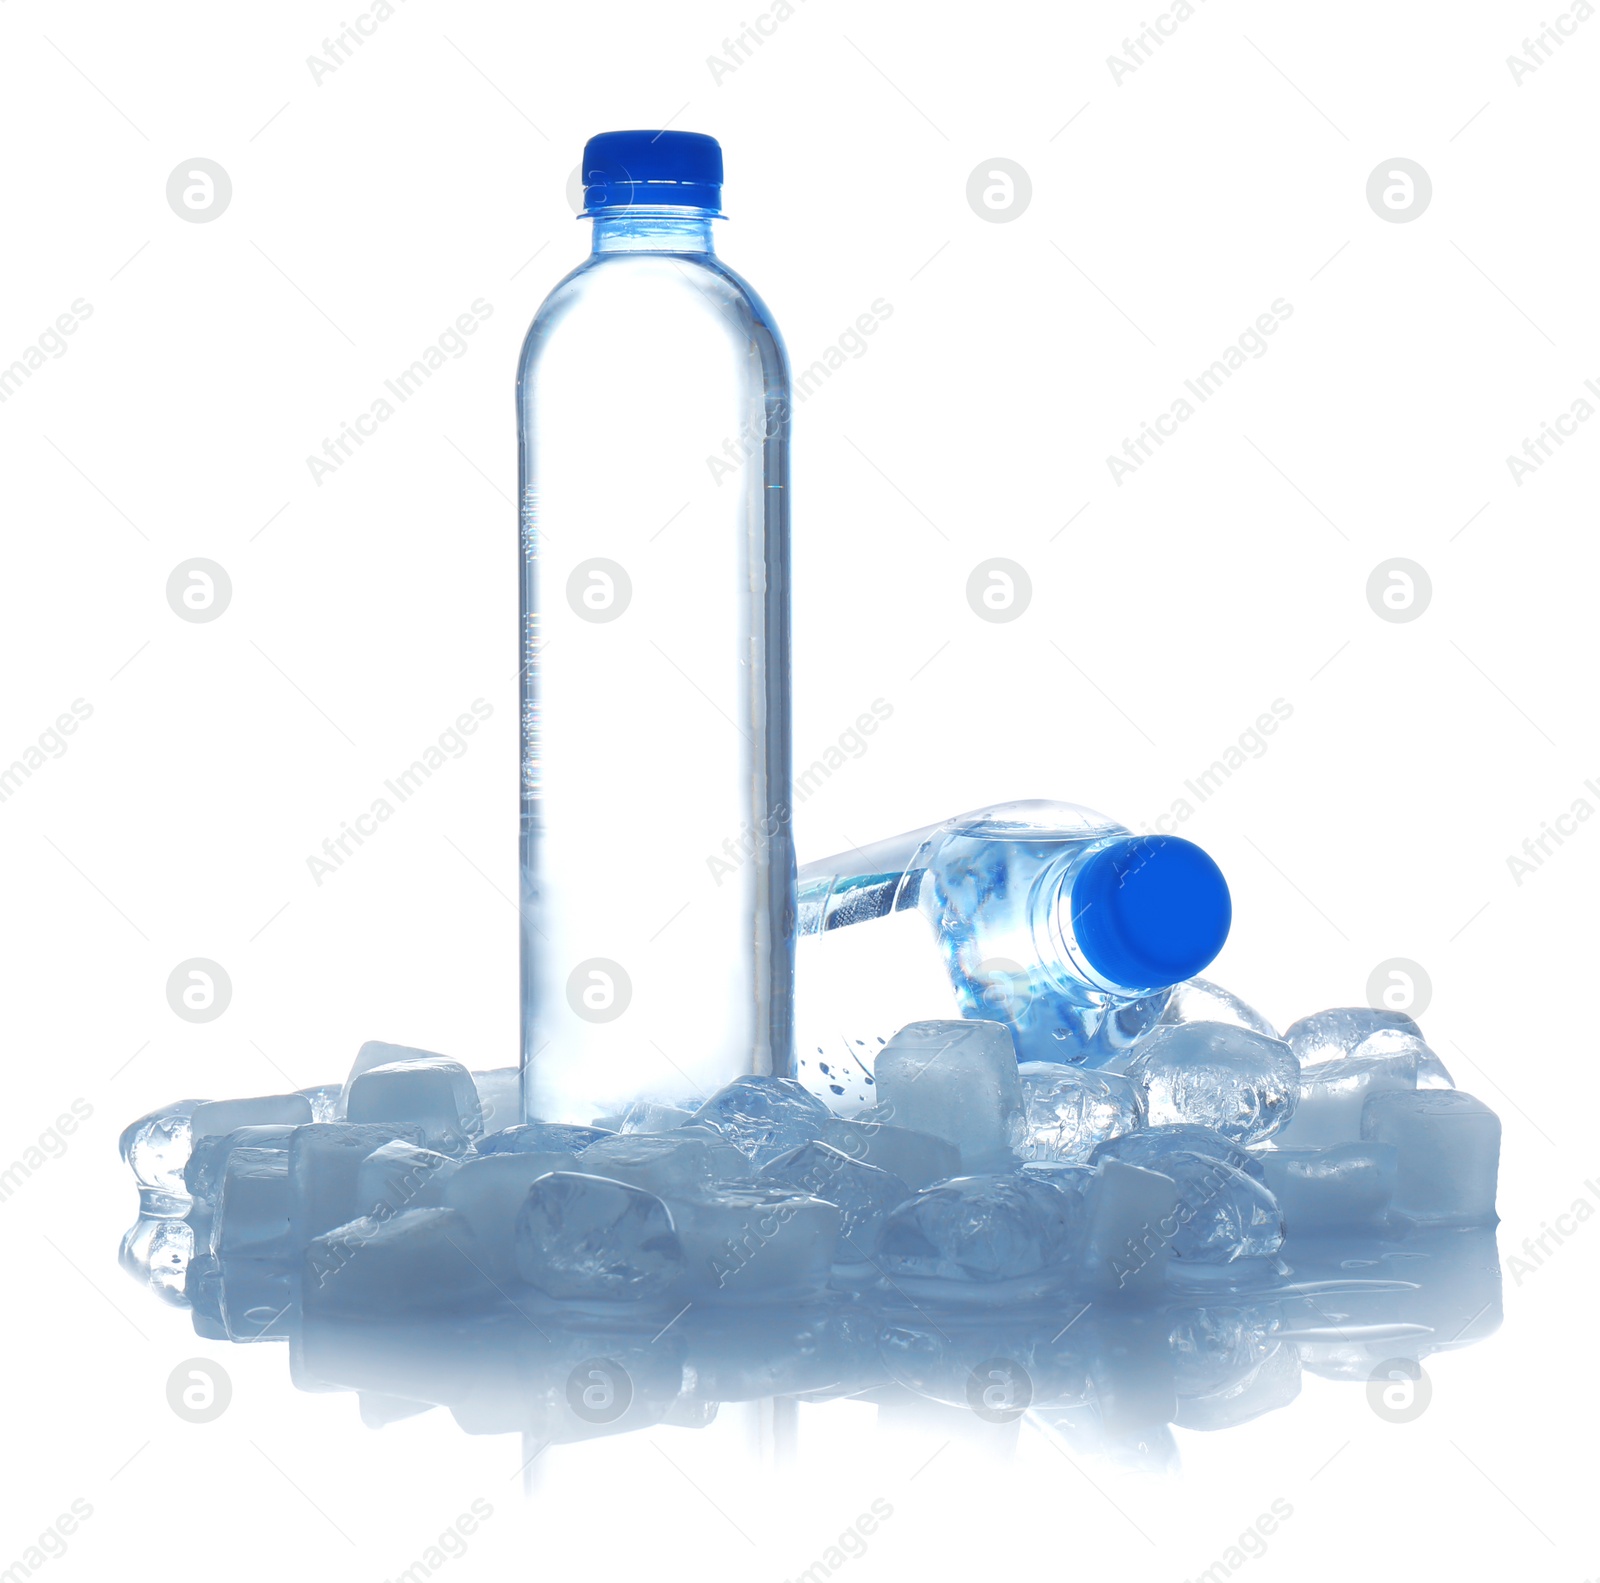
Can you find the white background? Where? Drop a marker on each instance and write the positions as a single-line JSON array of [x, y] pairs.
[[1167, 212]]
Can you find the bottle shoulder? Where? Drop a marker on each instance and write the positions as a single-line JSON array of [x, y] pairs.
[[677, 293]]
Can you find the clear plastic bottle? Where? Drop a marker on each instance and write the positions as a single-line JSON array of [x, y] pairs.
[[1043, 915], [657, 870]]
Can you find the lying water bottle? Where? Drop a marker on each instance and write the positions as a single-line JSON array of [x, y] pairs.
[[1046, 916], [653, 416]]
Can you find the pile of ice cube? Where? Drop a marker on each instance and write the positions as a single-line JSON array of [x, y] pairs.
[[970, 1179]]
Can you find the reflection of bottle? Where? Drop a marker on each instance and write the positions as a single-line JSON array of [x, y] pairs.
[[1046, 916], [653, 412]]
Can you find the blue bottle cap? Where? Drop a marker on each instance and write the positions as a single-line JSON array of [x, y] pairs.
[[657, 170], [1149, 911]]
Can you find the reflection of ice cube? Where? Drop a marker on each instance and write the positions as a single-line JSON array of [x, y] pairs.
[[1217, 1075], [1325, 1189], [1335, 1033], [1199, 1000], [1448, 1147], [981, 1229], [1230, 1367], [436, 1095], [764, 1117], [156, 1147], [588, 1237], [1067, 1110], [325, 1162], [1332, 1094], [918, 1158], [957, 1080], [864, 1193]]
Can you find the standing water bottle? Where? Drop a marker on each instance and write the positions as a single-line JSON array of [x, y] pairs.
[[1042, 915], [653, 418]]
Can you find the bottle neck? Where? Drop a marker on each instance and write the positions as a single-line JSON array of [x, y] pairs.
[[640, 230]]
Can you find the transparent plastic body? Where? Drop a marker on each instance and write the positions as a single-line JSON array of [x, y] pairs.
[[969, 918], [657, 868]]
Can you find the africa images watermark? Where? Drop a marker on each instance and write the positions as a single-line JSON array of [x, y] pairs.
[[1537, 1250], [1251, 743], [850, 345], [450, 345], [1249, 345], [1539, 449], [1536, 51], [851, 743], [51, 743], [450, 744], [50, 343], [1553, 833], [1151, 37]]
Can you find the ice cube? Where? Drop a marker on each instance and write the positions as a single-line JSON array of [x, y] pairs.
[[202, 1175], [918, 1158], [156, 1147], [981, 1229], [540, 1137], [864, 1193], [587, 1237], [1223, 1214], [419, 1261], [326, 1101], [399, 1176], [1150, 1145], [648, 1115], [1332, 1094], [1333, 1034], [1329, 1189], [490, 1192], [755, 1243], [1225, 1211], [1199, 1000], [665, 1162], [156, 1252], [375, 1052], [1067, 1110], [252, 1217], [499, 1097], [1448, 1148], [1216, 1075], [764, 1117], [436, 1094], [218, 1116], [1405, 1050], [1127, 1211], [325, 1161], [957, 1080]]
